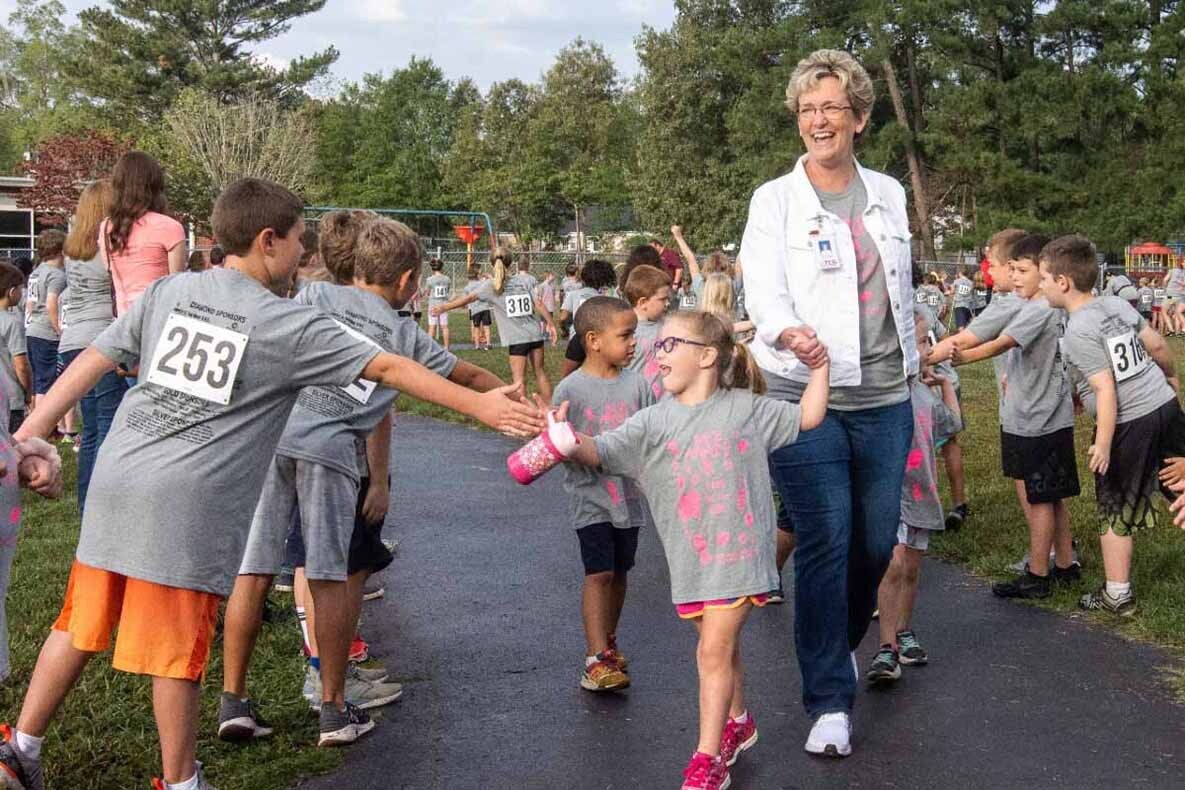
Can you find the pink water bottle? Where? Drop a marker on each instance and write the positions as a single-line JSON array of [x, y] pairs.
[[533, 459]]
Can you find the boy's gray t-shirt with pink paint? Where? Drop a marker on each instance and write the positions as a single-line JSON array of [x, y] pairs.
[[597, 405], [645, 361], [705, 471]]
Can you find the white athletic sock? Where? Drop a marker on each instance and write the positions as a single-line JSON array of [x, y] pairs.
[[304, 625], [189, 784], [744, 717], [1119, 591], [28, 745]]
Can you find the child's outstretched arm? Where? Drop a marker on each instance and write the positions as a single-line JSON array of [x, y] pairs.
[[1106, 413], [1159, 351], [945, 348], [77, 380], [460, 301], [816, 395], [586, 448], [495, 408], [992, 348], [475, 378]]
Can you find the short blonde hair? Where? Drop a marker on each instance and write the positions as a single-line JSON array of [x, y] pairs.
[[823, 63]]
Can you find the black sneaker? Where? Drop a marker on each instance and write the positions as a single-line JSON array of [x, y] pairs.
[[1101, 601], [957, 515], [776, 596], [1068, 575], [885, 667], [17, 772], [238, 720], [1027, 585], [339, 727], [910, 650]]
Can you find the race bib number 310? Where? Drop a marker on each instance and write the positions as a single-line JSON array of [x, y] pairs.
[[197, 358], [519, 305], [1128, 356]]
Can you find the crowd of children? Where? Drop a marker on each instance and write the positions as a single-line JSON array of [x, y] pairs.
[[274, 379]]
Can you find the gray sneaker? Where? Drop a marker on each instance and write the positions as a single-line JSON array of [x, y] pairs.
[[17, 772], [1101, 601], [362, 693], [239, 721], [339, 727], [1023, 565]]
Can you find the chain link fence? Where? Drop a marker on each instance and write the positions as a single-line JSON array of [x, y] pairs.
[[556, 262]]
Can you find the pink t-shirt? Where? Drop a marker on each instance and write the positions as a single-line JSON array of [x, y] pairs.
[[144, 259]]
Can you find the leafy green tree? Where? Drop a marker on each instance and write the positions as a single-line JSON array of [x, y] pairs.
[[136, 56]]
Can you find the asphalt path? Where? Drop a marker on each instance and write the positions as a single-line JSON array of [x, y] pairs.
[[481, 622]]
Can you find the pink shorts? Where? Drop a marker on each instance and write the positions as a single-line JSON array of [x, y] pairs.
[[690, 611], [438, 320]]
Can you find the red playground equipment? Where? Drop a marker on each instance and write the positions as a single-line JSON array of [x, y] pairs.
[[1150, 259]]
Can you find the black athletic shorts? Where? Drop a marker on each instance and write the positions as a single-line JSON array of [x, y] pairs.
[[605, 548], [523, 349], [1138, 450], [481, 319], [575, 351], [1046, 464]]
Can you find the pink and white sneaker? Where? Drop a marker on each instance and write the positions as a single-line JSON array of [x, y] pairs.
[[705, 772], [738, 737]]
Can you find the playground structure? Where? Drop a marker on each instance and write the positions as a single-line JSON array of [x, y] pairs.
[[1152, 259]]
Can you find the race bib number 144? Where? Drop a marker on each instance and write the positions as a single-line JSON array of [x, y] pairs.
[[197, 358]]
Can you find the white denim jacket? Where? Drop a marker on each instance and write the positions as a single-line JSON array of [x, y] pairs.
[[785, 286]]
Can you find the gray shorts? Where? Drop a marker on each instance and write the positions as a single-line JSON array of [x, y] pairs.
[[913, 537], [326, 500]]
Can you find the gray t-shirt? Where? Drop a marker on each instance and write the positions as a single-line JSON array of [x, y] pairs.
[[1147, 296], [691, 296], [1176, 282], [1158, 295], [882, 367], [327, 421], [88, 301], [569, 285], [979, 299], [705, 471], [222, 363], [596, 406], [988, 325], [514, 310], [439, 288], [1038, 399], [645, 361], [12, 333], [933, 422], [1105, 335], [478, 305], [44, 281], [963, 296]]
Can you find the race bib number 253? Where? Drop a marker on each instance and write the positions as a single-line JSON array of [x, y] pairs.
[[197, 358]]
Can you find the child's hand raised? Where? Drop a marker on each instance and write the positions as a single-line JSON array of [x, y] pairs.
[[498, 409]]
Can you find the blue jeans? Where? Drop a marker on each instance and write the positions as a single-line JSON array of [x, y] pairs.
[[98, 411], [841, 486]]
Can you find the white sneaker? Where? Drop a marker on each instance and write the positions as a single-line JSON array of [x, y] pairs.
[[831, 736]]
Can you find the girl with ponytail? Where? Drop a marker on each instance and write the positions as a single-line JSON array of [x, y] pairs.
[[521, 322], [701, 459]]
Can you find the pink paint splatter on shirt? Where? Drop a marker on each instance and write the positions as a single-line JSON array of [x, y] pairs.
[[614, 492], [14, 515], [723, 538], [742, 446], [742, 499], [699, 543], [914, 459], [689, 507], [748, 519], [918, 496]]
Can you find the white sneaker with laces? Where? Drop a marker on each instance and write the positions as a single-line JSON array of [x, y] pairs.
[[831, 736]]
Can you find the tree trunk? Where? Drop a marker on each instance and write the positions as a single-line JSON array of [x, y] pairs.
[[915, 87], [920, 200]]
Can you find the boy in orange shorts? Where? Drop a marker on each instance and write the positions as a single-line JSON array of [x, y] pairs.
[[222, 359]]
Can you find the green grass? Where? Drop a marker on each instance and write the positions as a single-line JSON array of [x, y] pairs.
[[105, 737]]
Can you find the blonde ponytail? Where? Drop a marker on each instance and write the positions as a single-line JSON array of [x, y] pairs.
[[500, 258]]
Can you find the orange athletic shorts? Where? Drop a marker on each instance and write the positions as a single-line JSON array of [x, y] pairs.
[[163, 631]]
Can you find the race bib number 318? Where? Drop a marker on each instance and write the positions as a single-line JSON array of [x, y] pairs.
[[519, 305], [197, 358]]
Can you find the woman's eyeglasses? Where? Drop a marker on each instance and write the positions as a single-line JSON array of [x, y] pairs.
[[668, 344], [832, 112]]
